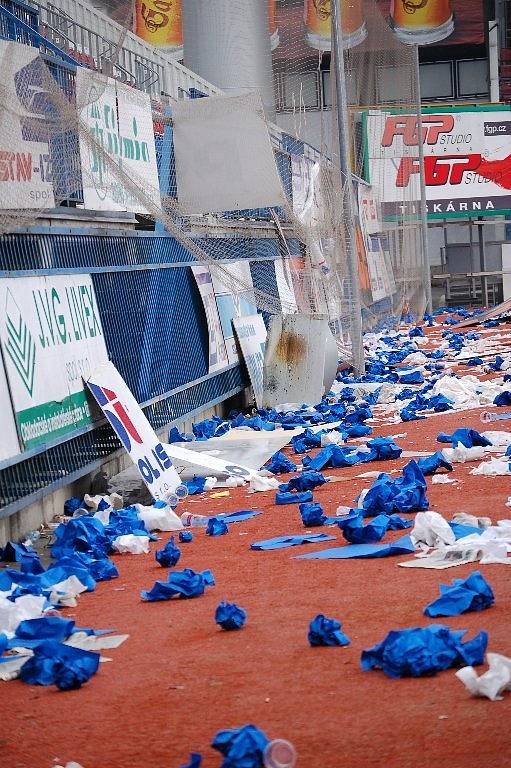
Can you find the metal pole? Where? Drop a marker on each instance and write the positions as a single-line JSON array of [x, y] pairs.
[[423, 200], [357, 345], [482, 262]]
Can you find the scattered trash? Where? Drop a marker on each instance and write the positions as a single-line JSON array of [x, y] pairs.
[[283, 542], [169, 555], [464, 595], [185, 583], [216, 527], [324, 631], [243, 746], [230, 616], [279, 753], [492, 683]]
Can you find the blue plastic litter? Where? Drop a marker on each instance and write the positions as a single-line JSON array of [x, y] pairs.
[[195, 760], [216, 527], [62, 665], [424, 651], [503, 398], [186, 584], [467, 437], [417, 331], [185, 537], [497, 365], [383, 449], [312, 515], [196, 485], [169, 555], [415, 377], [402, 546], [238, 517], [230, 616], [279, 464], [430, 464], [473, 361], [82, 534], [307, 481], [324, 631], [354, 530], [404, 494], [463, 595], [293, 497], [241, 747], [71, 505], [45, 628], [283, 542]]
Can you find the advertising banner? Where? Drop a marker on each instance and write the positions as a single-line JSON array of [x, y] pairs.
[[120, 123], [467, 161], [9, 444], [381, 279], [217, 351], [232, 303], [251, 334], [51, 338], [25, 167]]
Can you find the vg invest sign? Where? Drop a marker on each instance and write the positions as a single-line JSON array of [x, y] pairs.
[[52, 337]]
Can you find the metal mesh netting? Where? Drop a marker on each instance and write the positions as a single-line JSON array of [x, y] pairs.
[[307, 219]]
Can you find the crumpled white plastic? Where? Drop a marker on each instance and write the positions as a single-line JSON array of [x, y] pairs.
[[416, 358], [95, 642], [430, 530], [491, 683], [331, 438], [159, 519], [231, 482], [24, 607], [489, 547], [464, 518], [460, 454], [65, 592], [497, 438], [135, 545], [492, 468], [258, 483], [508, 502], [468, 391], [442, 480]]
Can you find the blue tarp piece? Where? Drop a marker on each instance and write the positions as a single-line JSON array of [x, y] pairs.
[[417, 331], [241, 747], [13, 553], [195, 760], [463, 595], [196, 485], [383, 449], [467, 437], [254, 422], [45, 627], [126, 521], [82, 534], [307, 481], [238, 517], [306, 441], [31, 563], [71, 505], [474, 361], [490, 323], [402, 546], [415, 377], [460, 530], [216, 527], [429, 320], [279, 464], [358, 415], [185, 536], [214, 427], [186, 584], [409, 414], [503, 398], [497, 365], [230, 616], [354, 530], [324, 631], [357, 430], [312, 515], [169, 555], [397, 523], [292, 497], [283, 542], [175, 436], [430, 464], [56, 664], [37, 584], [424, 651], [405, 494], [508, 450]]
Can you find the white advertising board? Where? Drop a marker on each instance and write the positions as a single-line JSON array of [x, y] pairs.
[[217, 352], [251, 334], [467, 161], [9, 443], [234, 298], [51, 336], [25, 167]]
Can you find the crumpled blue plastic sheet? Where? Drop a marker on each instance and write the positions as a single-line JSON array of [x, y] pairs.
[[125, 521], [195, 760], [508, 450], [497, 365], [71, 505], [62, 665], [175, 436], [196, 485], [312, 514], [415, 377], [404, 494], [283, 542], [230, 616], [324, 631], [26, 556], [357, 430], [293, 497], [409, 414], [307, 481], [279, 464], [354, 530], [216, 527], [503, 398], [335, 456], [467, 437], [474, 361], [186, 584], [460, 530], [82, 534], [241, 747], [256, 423], [214, 427], [45, 628], [417, 331], [185, 536], [424, 651], [463, 595], [306, 441], [430, 464], [169, 555], [382, 449], [402, 546]]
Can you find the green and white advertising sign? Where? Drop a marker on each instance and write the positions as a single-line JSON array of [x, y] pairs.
[[51, 337]]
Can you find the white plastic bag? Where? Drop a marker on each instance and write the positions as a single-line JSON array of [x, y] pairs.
[[129, 543]]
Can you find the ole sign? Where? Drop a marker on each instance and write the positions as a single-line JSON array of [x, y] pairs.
[[467, 161]]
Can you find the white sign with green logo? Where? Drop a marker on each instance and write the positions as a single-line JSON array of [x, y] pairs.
[[52, 338]]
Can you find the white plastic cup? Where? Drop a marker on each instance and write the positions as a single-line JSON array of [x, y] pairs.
[[279, 753]]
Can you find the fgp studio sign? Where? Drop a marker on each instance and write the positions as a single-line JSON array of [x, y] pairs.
[[467, 161], [52, 338]]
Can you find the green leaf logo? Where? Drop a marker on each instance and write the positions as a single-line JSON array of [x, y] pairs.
[[20, 344]]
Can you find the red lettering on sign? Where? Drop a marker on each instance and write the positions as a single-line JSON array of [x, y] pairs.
[[408, 127]]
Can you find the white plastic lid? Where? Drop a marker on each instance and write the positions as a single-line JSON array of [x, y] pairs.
[[279, 753]]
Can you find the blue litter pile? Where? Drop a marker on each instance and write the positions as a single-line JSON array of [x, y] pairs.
[[463, 595], [323, 631]]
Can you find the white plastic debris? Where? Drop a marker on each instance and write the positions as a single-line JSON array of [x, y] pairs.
[[129, 543], [492, 683], [430, 530], [159, 519], [258, 483], [442, 480], [233, 482], [10, 667], [497, 438], [95, 642], [210, 483], [508, 502], [460, 454], [65, 592], [464, 518], [24, 607], [492, 468], [331, 438]]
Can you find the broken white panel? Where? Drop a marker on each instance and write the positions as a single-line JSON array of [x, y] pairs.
[[251, 335]]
